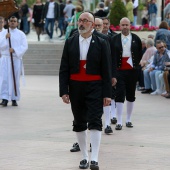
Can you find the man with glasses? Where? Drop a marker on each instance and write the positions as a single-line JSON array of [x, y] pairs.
[[85, 81], [160, 57], [18, 48]]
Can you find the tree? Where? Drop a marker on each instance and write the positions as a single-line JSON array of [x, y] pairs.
[[118, 11]]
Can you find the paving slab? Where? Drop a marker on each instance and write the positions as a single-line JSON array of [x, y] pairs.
[[37, 135]]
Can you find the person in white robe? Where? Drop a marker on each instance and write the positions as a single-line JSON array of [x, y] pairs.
[[18, 48]]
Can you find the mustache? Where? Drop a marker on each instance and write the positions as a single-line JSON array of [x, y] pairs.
[[81, 27]]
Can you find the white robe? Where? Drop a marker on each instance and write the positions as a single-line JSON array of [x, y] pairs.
[[20, 46]]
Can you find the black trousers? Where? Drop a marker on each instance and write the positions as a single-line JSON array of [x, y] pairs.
[[86, 104], [126, 85]]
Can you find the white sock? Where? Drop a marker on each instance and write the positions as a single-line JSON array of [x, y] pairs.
[[129, 106], [107, 115], [82, 141], [113, 109], [119, 108], [95, 138]]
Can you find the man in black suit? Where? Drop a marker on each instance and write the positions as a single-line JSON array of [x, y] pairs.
[[107, 31], [85, 81], [128, 53], [106, 27], [50, 13]]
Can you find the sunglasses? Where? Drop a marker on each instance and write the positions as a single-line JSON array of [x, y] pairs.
[[160, 47]]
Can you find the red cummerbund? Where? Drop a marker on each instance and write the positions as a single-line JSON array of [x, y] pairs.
[[125, 65], [82, 76]]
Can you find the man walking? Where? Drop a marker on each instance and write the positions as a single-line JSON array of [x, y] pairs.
[[85, 81], [128, 53], [18, 48], [50, 14]]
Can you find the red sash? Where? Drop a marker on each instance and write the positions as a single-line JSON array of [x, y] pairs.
[[82, 76], [125, 65]]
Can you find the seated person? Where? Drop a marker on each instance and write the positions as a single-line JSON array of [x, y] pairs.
[[160, 57]]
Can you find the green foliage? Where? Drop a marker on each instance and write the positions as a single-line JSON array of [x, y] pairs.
[[118, 11], [141, 5]]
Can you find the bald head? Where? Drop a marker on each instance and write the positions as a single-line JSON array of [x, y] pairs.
[[125, 26], [125, 19], [88, 15]]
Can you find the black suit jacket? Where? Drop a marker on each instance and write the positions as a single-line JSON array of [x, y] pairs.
[[45, 10], [98, 63], [108, 42], [117, 50]]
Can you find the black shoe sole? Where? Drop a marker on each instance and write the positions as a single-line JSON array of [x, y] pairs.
[[74, 150], [94, 167]]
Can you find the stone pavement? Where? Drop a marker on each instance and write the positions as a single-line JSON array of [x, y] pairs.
[[37, 135]]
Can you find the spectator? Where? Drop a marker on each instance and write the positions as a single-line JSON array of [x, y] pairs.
[[167, 19], [140, 72], [144, 15], [50, 13], [152, 36], [160, 57], [129, 8], [152, 12], [37, 12], [61, 18], [163, 34], [24, 20], [68, 12], [135, 11], [151, 50], [101, 12]]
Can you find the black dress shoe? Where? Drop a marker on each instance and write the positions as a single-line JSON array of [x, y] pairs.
[[113, 120], [75, 148], [4, 102], [84, 164], [129, 124], [118, 127], [108, 130], [147, 91], [14, 103], [94, 165]]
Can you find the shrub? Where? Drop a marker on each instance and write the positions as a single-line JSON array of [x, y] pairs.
[[118, 11]]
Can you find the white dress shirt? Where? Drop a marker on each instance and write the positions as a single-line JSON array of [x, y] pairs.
[[126, 44], [84, 44]]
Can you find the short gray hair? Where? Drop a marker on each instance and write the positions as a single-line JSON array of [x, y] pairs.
[[150, 42], [151, 36], [143, 40]]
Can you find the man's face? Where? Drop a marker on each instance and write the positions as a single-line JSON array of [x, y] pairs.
[[2, 23], [13, 23], [85, 23], [106, 25], [98, 25], [160, 47], [125, 27]]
